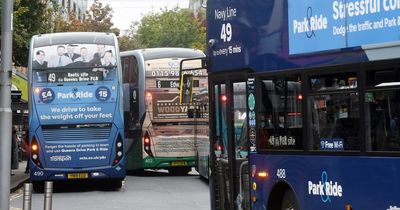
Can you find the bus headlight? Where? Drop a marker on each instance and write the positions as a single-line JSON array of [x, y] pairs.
[[35, 152]]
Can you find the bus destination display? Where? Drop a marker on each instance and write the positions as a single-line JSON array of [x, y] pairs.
[[173, 83], [81, 76]]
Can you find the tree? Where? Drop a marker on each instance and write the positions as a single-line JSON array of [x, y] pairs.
[[171, 28], [99, 17], [200, 42], [30, 18], [129, 40], [71, 24]]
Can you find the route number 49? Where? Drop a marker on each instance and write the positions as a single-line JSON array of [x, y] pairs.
[[226, 32]]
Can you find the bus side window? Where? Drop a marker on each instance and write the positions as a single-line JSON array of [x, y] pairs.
[[334, 117], [280, 115]]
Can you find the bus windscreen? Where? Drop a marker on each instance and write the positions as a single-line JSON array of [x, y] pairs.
[[73, 56]]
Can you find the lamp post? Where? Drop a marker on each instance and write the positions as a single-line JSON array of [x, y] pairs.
[[5, 103]]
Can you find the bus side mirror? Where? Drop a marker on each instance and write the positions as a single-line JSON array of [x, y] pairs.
[[186, 88], [188, 68]]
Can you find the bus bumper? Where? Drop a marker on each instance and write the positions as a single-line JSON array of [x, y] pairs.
[[168, 162], [55, 174]]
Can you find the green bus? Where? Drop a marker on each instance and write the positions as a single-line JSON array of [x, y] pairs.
[[161, 132]]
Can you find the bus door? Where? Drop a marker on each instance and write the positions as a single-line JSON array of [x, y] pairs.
[[229, 145], [132, 116]]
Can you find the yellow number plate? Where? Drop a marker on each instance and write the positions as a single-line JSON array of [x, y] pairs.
[[179, 163], [78, 176]]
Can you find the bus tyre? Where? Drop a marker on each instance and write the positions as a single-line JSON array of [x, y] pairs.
[[196, 164], [38, 186], [113, 184], [179, 171], [289, 201]]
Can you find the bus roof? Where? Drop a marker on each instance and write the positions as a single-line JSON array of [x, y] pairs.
[[155, 53], [73, 38]]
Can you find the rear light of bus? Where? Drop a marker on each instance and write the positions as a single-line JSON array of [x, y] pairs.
[[219, 148], [300, 97], [224, 98], [35, 152], [119, 150], [147, 144]]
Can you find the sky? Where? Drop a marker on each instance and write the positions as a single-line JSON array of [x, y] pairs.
[[126, 11]]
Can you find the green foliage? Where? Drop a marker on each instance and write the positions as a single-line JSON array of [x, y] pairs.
[[30, 18], [99, 17], [171, 28], [128, 43], [129, 40], [200, 42]]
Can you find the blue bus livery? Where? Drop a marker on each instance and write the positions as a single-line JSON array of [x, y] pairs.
[[322, 82], [76, 128]]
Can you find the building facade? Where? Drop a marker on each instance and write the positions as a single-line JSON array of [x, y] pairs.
[[78, 7], [196, 6]]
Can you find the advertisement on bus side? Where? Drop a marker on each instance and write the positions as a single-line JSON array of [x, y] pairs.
[[75, 104], [325, 25]]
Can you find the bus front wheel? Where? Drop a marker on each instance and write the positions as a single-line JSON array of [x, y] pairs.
[[113, 184], [38, 186], [289, 201]]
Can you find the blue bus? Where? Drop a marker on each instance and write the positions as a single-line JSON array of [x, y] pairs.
[[321, 104], [76, 124]]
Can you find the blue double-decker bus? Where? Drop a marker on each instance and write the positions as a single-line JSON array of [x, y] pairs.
[[304, 104], [76, 126]]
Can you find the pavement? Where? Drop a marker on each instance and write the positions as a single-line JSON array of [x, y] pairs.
[[19, 177]]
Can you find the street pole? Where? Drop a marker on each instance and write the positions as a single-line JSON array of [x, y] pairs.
[[5, 104]]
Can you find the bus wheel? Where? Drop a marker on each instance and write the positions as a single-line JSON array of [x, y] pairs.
[[38, 186], [179, 171], [113, 184], [289, 201]]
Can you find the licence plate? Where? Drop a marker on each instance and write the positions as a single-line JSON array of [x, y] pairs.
[[179, 163], [78, 175]]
